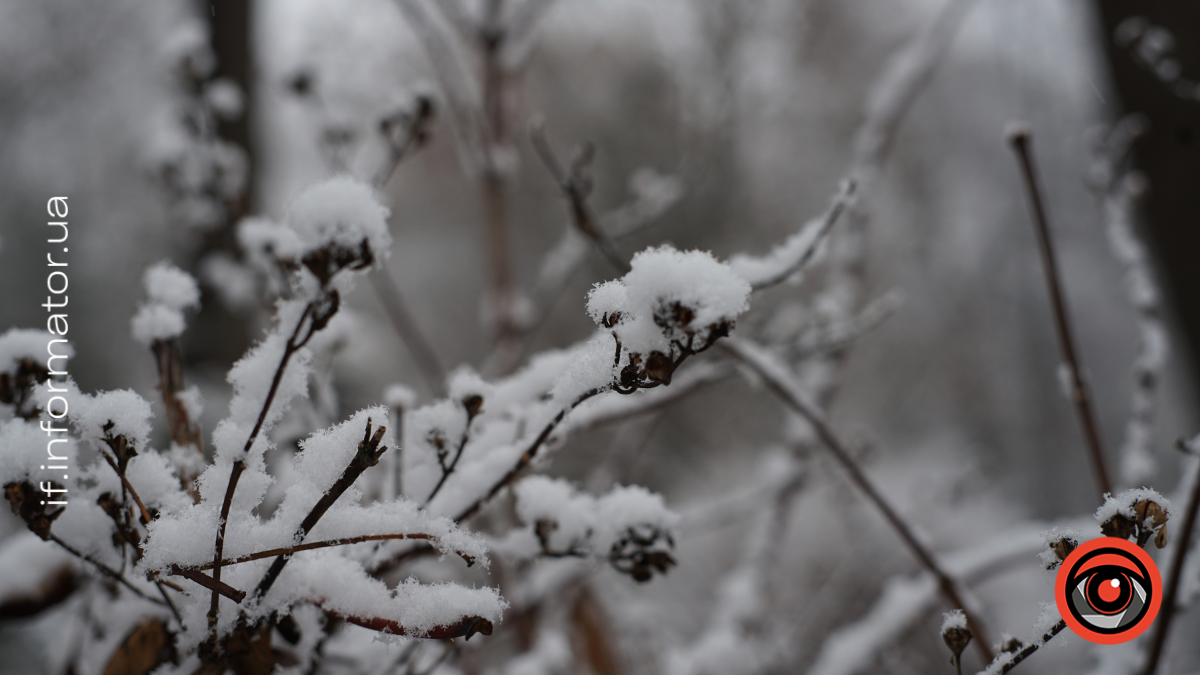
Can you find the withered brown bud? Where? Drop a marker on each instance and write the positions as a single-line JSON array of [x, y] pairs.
[[473, 404], [1063, 547], [659, 367], [957, 640], [1150, 514], [26, 504], [1149, 521]]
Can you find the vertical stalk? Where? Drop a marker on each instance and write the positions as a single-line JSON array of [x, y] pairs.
[[495, 190], [1020, 141]]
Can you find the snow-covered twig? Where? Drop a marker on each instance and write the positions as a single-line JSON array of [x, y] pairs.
[[1006, 661], [290, 550], [294, 344], [1118, 190], [903, 601], [105, 569], [369, 451], [1020, 139], [526, 458], [790, 257], [472, 405]]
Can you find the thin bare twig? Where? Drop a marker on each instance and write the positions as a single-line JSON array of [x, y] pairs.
[[159, 584], [754, 358], [128, 486], [414, 125], [423, 354], [1020, 140], [473, 404], [576, 186], [1167, 612], [169, 359], [655, 196], [218, 587], [105, 569]]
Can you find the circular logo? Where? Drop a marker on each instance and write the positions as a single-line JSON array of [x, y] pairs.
[[1108, 590]]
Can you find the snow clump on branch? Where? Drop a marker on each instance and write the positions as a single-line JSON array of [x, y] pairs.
[[670, 305]]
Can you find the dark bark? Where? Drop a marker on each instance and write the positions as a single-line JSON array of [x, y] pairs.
[[1169, 153]]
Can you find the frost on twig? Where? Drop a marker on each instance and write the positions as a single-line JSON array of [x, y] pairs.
[[1118, 190], [786, 260]]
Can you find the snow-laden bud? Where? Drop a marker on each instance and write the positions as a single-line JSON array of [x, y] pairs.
[[1140, 513], [23, 367], [339, 225], [1060, 542], [955, 633], [1009, 644], [628, 526]]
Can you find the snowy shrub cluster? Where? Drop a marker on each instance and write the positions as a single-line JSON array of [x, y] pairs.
[[293, 533]]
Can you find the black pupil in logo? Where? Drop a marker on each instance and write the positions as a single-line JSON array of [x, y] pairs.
[[1109, 589], [1109, 598]]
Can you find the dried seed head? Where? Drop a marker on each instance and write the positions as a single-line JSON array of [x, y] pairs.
[[1059, 545], [1140, 514], [642, 551], [1150, 513]]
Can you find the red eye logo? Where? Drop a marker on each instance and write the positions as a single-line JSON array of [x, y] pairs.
[[1108, 590]]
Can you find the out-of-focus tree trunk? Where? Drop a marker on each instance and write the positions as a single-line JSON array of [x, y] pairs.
[[226, 335], [1169, 153], [231, 44]]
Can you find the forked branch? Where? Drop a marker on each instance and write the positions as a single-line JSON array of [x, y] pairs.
[[756, 360]]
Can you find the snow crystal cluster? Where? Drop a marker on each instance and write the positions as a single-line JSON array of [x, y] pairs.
[[953, 619], [169, 291], [1060, 542]]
